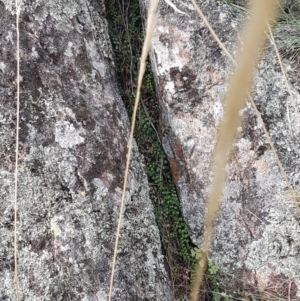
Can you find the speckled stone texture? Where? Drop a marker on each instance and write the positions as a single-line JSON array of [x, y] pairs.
[[73, 143], [256, 236]]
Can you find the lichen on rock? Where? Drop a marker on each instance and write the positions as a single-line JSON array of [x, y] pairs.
[[191, 72], [73, 144]]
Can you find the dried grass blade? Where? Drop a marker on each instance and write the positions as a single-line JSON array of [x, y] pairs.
[[235, 99], [18, 7], [151, 20]]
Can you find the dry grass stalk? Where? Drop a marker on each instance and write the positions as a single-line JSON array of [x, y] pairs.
[[240, 83], [151, 20], [284, 73], [18, 7], [222, 46]]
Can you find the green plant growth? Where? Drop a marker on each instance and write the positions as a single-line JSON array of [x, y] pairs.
[[216, 293], [168, 207], [212, 271], [287, 31], [289, 24], [126, 32]]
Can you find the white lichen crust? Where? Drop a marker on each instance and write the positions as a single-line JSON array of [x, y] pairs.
[[73, 143], [256, 237]]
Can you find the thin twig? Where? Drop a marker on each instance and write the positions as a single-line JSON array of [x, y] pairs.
[[175, 8], [128, 38], [146, 46], [289, 120], [150, 120], [18, 6]]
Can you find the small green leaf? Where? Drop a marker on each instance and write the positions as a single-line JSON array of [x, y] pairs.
[[195, 252], [212, 269]]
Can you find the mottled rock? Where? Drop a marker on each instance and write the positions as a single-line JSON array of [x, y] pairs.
[[256, 237], [73, 144]]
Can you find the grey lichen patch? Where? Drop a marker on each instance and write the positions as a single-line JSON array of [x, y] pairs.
[[66, 134], [191, 72], [58, 9], [193, 119], [279, 245], [2, 66], [100, 296], [73, 142], [101, 187], [10, 6]]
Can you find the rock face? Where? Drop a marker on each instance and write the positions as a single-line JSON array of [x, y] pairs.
[[256, 235], [73, 143]]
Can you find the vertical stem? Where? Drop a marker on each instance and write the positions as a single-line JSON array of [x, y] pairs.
[[18, 4], [235, 98], [146, 46]]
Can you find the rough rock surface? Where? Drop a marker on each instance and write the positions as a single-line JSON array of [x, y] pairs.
[[73, 143], [256, 235]]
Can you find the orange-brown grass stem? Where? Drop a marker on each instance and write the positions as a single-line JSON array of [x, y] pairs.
[[252, 39]]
